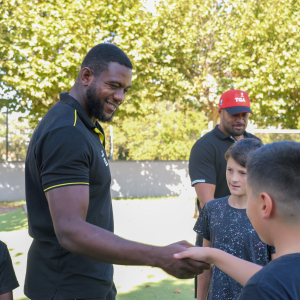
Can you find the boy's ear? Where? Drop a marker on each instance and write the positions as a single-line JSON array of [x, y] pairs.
[[267, 205]]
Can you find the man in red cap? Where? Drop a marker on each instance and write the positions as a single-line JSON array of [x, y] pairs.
[[234, 109], [207, 164]]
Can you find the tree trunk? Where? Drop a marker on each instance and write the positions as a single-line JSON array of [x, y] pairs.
[[212, 114]]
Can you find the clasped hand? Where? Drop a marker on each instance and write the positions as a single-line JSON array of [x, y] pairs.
[[180, 268]]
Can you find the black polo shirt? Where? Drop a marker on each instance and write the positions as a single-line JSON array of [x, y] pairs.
[[207, 160], [8, 280], [66, 149]]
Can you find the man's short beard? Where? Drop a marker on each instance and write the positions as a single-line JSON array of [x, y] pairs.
[[95, 106], [234, 133]]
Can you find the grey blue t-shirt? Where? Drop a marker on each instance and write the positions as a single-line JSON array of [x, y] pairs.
[[229, 229]]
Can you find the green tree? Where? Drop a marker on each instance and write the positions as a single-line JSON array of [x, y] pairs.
[[19, 133], [2, 136], [18, 139], [268, 66], [188, 64], [42, 44], [187, 52], [167, 133], [206, 47]]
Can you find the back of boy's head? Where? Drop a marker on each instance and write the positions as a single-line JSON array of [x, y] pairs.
[[275, 169], [240, 150]]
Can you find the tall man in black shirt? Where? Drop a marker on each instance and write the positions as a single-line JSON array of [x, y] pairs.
[[68, 192], [207, 165]]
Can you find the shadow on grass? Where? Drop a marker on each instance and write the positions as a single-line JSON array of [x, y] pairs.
[[164, 289], [14, 220]]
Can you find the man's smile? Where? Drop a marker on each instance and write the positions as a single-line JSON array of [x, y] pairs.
[[111, 105]]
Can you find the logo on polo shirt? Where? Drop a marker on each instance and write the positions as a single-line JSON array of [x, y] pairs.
[[104, 159]]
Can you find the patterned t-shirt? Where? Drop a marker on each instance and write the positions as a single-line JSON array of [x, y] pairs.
[[229, 229]]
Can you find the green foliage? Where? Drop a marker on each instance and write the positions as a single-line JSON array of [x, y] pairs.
[[19, 133], [19, 137], [187, 63], [42, 44], [266, 46], [168, 132], [277, 137], [204, 48], [188, 52], [2, 136]]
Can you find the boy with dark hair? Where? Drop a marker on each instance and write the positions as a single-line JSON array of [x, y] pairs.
[[8, 280], [223, 224], [273, 208]]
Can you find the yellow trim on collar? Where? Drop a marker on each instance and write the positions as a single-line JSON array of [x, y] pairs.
[[101, 136], [70, 183], [75, 117]]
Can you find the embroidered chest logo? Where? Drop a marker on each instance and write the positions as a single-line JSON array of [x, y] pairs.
[[104, 158]]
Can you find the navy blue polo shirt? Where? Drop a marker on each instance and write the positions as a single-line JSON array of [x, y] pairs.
[[207, 160], [66, 148]]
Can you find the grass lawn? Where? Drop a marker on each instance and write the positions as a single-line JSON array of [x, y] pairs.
[[153, 221]]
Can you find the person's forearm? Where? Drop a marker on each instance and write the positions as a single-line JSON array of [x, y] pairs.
[[98, 244], [95, 243], [238, 269], [204, 198], [205, 192], [7, 296], [203, 281]]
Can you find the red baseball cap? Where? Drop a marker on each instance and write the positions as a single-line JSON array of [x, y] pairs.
[[235, 102]]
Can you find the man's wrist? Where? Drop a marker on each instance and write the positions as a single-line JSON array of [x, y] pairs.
[[154, 254]]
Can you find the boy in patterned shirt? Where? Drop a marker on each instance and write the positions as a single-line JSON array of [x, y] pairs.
[[223, 224]]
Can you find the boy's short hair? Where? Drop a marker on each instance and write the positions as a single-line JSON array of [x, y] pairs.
[[240, 150], [275, 169]]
